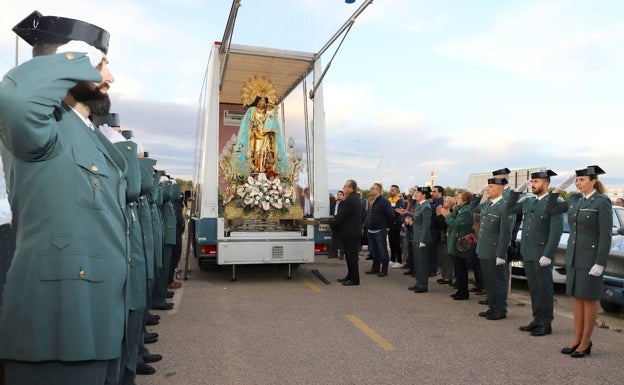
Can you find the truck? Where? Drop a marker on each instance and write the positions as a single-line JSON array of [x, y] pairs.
[[260, 192]]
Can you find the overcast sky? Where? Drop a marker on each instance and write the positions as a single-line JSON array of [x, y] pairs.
[[459, 87]]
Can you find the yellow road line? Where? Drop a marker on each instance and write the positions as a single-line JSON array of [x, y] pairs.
[[370, 333], [312, 286]]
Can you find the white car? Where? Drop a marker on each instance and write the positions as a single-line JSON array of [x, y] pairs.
[[559, 272]]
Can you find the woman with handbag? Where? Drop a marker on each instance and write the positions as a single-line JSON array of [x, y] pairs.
[[460, 227]]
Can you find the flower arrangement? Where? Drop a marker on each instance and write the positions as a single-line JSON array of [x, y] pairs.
[[265, 195]]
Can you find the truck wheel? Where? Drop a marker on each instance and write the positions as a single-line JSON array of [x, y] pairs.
[[610, 307]]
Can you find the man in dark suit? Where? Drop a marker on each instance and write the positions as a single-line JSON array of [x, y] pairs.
[[541, 232], [64, 309], [347, 224]]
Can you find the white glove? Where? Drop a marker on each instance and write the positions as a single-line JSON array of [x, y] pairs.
[[173, 181], [596, 270], [500, 261], [522, 188], [163, 179], [421, 245], [544, 261], [95, 55], [110, 134], [566, 183]]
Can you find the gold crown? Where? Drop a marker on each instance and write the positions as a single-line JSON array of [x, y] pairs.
[[258, 86]]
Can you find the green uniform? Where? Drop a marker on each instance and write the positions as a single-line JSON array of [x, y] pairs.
[[541, 233], [64, 297], [591, 223]]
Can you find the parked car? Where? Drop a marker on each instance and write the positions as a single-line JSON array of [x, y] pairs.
[[559, 272], [613, 287]]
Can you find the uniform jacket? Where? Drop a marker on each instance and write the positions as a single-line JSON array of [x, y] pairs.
[[146, 166], [168, 215], [347, 223], [495, 230], [541, 231], [460, 222], [591, 226], [421, 228], [64, 296], [137, 275]]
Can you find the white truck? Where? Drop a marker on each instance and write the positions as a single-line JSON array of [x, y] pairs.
[[229, 225]]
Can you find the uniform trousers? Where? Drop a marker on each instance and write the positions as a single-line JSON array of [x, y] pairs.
[[130, 349], [7, 248], [421, 265], [496, 281], [540, 282], [159, 298]]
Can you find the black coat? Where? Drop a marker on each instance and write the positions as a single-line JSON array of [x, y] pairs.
[[347, 224]]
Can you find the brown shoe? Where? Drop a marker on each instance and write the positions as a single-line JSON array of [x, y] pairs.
[[371, 272], [174, 285], [382, 274]]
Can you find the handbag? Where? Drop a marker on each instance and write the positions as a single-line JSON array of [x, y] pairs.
[[467, 242]]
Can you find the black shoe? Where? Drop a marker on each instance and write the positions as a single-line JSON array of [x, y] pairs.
[[541, 331], [420, 290], [454, 294], [409, 272], [149, 358], [412, 288], [150, 340], [345, 279], [151, 322], [371, 271], [169, 294], [582, 353], [382, 274], [332, 256], [529, 328], [571, 350], [483, 302], [150, 335], [154, 316], [350, 283], [485, 313], [369, 258], [461, 297], [166, 306], [144, 368], [495, 315]]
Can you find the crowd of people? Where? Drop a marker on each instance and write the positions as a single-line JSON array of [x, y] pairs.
[[449, 235], [97, 226]]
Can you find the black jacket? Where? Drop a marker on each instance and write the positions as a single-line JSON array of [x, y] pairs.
[[348, 222], [380, 215]]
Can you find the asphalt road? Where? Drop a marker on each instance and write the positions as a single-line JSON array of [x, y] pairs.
[[266, 329]]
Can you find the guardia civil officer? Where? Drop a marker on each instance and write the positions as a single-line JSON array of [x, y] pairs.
[[590, 217], [7, 242], [541, 232], [63, 314], [136, 287], [421, 238], [493, 240], [169, 240]]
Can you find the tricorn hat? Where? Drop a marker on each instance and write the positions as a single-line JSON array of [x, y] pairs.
[[502, 171], [37, 29], [424, 189], [543, 174], [111, 119], [590, 170], [501, 181]]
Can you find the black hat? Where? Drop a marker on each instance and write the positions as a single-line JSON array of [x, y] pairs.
[[36, 29], [501, 181], [127, 134], [543, 174], [111, 119], [590, 170], [424, 189], [502, 171]]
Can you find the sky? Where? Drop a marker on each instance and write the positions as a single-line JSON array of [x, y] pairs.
[[457, 87]]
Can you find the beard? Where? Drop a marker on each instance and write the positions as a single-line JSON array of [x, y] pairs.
[[91, 96]]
